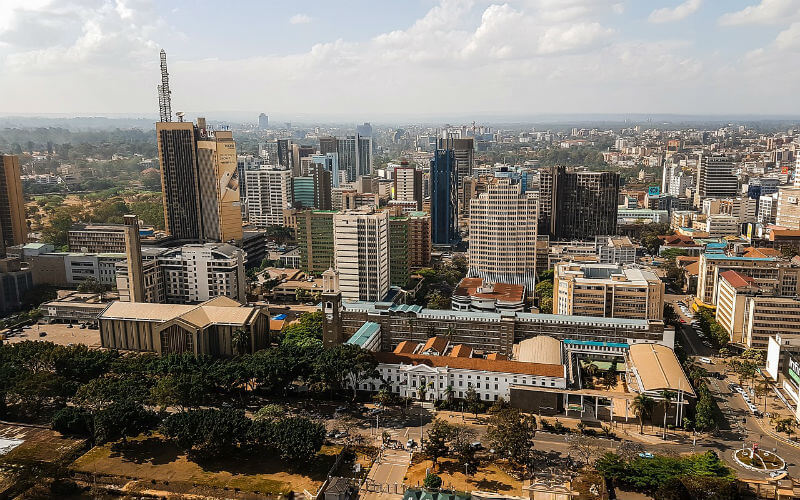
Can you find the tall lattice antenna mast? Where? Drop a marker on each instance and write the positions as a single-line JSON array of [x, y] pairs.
[[164, 99]]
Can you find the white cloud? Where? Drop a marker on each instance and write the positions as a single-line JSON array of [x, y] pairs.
[[300, 19], [764, 12], [677, 13]]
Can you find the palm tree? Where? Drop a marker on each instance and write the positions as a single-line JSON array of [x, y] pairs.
[[667, 399], [240, 341], [642, 406]]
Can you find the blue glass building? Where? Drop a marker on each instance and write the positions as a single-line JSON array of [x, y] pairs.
[[444, 197]]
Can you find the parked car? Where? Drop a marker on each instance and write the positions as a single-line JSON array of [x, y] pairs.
[[706, 360], [646, 454], [43, 334]]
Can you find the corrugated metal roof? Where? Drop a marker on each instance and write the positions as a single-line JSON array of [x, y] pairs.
[[364, 334]]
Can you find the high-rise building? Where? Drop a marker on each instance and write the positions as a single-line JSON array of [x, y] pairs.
[[263, 121], [419, 240], [323, 180], [503, 234], [355, 155], [219, 187], [444, 198], [268, 194], [399, 258], [607, 290], [464, 153], [715, 178], [243, 164], [577, 205], [200, 182], [788, 210], [330, 162], [328, 145], [285, 153], [314, 236], [12, 204], [303, 192], [408, 185], [298, 153], [361, 247]]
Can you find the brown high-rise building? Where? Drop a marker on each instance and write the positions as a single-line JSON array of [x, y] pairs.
[[322, 186], [419, 240], [12, 204], [200, 183]]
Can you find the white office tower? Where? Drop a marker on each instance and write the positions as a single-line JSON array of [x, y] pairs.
[[502, 233], [269, 192], [675, 181], [767, 208], [196, 273], [361, 248]]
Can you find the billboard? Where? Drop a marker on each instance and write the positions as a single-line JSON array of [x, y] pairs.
[[653, 191]]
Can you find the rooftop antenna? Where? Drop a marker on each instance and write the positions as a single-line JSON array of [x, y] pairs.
[[180, 114], [164, 99]]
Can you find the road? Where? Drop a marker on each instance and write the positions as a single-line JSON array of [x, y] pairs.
[[385, 479]]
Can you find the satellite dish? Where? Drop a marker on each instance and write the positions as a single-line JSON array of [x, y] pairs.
[[180, 114]]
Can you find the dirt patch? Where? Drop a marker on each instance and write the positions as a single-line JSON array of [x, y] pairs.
[[152, 462], [39, 445], [489, 477]]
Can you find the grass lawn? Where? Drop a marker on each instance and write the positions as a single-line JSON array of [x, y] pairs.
[[488, 478], [152, 458]]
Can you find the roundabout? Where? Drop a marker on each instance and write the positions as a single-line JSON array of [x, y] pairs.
[[759, 460]]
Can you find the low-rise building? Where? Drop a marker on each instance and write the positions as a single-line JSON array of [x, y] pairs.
[[74, 307], [615, 250], [202, 329], [607, 290], [721, 225], [476, 294]]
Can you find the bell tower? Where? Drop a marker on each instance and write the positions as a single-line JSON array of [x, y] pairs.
[[332, 332]]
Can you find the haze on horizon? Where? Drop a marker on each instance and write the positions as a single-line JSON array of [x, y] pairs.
[[366, 59]]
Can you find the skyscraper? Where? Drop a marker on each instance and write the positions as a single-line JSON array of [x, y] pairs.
[[715, 178], [315, 240], [503, 233], [577, 205], [285, 153], [464, 151], [355, 155], [399, 258], [12, 204], [322, 179], [219, 187], [330, 162], [180, 184], [328, 145], [444, 198], [263, 121], [361, 247]]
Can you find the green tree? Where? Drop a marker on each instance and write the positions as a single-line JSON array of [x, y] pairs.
[[704, 416], [511, 434], [207, 433], [642, 407], [432, 482], [437, 300], [123, 420], [270, 412], [241, 341], [785, 425], [57, 230], [666, 400], [461, 439], [473, 401], [435, 443]]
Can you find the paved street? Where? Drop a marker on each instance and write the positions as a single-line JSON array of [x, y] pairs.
[[385, 479]]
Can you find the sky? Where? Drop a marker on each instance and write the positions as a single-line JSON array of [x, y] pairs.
[[373, 59]]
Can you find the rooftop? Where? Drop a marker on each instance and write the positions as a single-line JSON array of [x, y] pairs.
[[736, 280], [658, 369], [478, 364], [217, 310], [503, 292], [363, 334]]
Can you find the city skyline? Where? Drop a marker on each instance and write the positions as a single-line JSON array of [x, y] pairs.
[[516, 58]]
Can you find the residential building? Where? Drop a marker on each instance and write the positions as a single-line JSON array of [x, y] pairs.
[[607, 290], [733, 290], [202, 329], [503, 234], [615, 250], [13, 225], [788, 209], [767, 209], [190, 273], [444, 198], [268, 194], [361, 250], [408, 185], [715, 178], [766, 316], [721, 225], [477, 294]]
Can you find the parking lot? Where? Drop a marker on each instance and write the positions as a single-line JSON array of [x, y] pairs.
[[57, 333]]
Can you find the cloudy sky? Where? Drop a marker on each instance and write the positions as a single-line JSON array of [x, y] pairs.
[[376, 58]]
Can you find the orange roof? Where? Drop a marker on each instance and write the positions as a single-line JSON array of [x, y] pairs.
[[761, 252], [685, 260], [736, 280], [468, 287], [461, 351], [406, 347], [438, 344], [276, 324], [693, 269], [496, 356], [478, 364]]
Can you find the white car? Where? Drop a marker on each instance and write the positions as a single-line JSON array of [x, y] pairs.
[[706, 361]]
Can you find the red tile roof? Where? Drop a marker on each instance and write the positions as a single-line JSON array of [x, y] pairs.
[[406, 347], [438, 344], [736, 280], [461, 351], [478, 364], [468, 287]]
